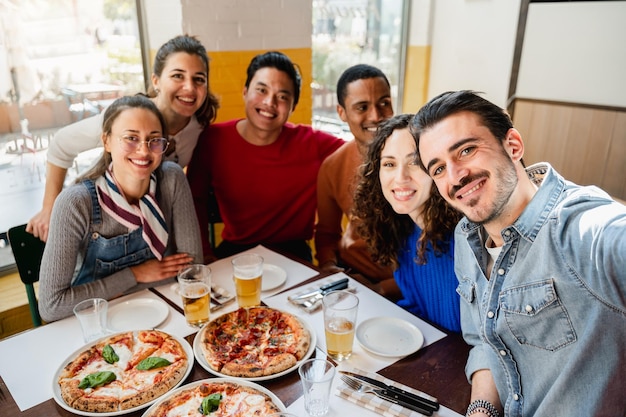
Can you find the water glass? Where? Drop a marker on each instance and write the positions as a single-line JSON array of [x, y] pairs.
[[92, 316], [317, 378]]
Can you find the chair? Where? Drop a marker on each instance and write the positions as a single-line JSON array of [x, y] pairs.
[[28, 251], [214, 217]]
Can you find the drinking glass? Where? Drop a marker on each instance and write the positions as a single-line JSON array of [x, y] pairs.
[[92, 315], [340, 310], [247, 274], [194, 285], [317, 378]]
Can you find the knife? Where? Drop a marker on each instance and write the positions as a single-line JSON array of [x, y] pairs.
[[397, 393], [336, 285], [387, 395]]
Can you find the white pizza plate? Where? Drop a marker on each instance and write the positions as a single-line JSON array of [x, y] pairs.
[[389, 336], [273, 277], [137, 314], [237, 381], [56, 390], [197, 350]]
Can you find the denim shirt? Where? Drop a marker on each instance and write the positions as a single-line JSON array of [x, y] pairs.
[[550, 323]]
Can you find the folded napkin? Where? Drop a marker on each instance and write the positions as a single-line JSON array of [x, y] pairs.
[[378, 405], [314, 303]]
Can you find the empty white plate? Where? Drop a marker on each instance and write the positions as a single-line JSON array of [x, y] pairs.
[[389, 336], [273, 277], [137, 314]]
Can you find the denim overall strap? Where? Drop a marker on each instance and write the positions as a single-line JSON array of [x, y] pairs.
[[106, 256]]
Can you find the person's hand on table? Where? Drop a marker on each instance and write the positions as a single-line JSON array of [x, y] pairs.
[[155, 270]]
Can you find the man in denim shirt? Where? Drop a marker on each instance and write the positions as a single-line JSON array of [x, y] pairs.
[[541, 267]]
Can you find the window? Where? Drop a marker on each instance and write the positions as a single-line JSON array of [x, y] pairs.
[[60, 61], [348, 32]]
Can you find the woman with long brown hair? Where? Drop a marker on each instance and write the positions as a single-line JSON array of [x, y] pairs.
[[407, 224]]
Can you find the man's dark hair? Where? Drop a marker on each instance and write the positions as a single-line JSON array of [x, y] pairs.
[[354, 73], [494, 118], [280, 61]]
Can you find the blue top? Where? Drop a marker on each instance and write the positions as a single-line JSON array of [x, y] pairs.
[[550, 323], [429, 290]]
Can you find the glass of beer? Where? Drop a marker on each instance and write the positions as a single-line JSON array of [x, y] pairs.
[[340, 309], [194, 285], [247, 274]]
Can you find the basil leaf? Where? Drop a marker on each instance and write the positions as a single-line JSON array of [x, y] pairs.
[[152, 362], [97, 379], [210, 403], [109, 354]]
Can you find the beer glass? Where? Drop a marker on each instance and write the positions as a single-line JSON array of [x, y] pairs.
[[340, 309], [194, 284], [247, 274]]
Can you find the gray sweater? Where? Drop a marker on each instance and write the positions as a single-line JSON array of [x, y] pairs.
[[69, 235]]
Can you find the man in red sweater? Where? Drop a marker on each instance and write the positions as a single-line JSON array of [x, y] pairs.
[[262, 169], [364, 101]]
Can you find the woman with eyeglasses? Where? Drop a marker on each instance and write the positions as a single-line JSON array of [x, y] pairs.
[[127, 224], [180, 89]]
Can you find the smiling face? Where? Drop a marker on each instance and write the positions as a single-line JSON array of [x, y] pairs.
[[133, 166], [473, 170], [269, 100], [367, 104], [405, 185], [182, 85]]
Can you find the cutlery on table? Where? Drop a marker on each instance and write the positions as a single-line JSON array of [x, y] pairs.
[[319, 293], [219, 306], [220, 297], [385, 395], [402, 394]]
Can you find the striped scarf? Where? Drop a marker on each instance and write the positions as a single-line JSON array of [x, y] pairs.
[[147, 215]]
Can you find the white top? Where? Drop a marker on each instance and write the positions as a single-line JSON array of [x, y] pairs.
[[86, 134]]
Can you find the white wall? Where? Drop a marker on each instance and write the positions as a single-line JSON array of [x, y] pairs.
[[575, 52], [420, 22], [473, 43], [243, 25], [164, 21]]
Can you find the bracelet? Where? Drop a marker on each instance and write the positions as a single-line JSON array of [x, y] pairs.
[[482, 406]]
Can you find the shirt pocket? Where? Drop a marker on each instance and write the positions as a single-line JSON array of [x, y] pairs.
[[467, 290], [536, 317]]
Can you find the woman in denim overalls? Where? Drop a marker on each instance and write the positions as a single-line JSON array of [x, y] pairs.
[[128, 224]]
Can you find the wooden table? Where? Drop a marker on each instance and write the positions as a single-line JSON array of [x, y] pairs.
[[437, 369]]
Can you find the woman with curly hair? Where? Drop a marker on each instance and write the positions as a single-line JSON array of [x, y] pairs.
[[408, 225]]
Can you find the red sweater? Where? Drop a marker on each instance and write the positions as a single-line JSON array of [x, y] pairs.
[[266, 194]]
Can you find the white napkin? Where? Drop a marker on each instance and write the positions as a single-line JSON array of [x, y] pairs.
[[376, 404], [341, 407], [371, 305]]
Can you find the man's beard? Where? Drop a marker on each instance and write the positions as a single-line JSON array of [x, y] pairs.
[[506, 176]]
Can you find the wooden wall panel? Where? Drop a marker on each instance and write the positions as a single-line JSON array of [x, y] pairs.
[[587, 145]]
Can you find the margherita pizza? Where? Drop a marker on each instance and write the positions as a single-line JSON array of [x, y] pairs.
[[215, 398], [254, 342], [123, 371]]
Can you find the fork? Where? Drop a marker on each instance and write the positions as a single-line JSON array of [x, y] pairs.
[[382, 393]]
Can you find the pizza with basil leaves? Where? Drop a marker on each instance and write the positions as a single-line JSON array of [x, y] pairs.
[[215, 398], [123, 371]]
